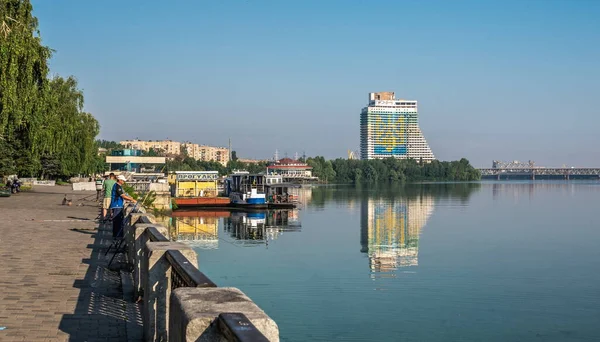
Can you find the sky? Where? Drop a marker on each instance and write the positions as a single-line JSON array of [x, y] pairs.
[[495, 80]]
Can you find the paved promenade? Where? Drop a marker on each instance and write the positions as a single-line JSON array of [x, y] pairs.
[[54, 280]]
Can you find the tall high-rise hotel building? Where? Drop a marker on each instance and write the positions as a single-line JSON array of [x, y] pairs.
[[389, 127]]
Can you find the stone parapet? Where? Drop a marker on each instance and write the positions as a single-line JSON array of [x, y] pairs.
[[179, 302], [194, 312]]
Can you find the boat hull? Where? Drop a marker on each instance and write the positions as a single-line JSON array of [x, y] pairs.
[[282, 206], [201, 201], [250, 205]]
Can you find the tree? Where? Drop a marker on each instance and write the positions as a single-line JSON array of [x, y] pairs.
[[234, 156], [391, 170], [370, 173], [327, 172], [109, 145], [43, 127], [23, 71], [152, 152]]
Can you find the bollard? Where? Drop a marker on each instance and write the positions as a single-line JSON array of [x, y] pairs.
[[139, 242]]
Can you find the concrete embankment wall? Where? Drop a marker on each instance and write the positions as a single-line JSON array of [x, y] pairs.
[[162, 192], [84, 186], [179, 302]]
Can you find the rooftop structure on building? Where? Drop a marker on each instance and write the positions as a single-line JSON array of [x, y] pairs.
[[132, 160], [389, 128], [290, 169], [252, 161]]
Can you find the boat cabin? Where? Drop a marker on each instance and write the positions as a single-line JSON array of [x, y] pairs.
[[245, 183], [196, 184], [282, 193]]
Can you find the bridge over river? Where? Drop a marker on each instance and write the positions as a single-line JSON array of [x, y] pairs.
[[541, 173]]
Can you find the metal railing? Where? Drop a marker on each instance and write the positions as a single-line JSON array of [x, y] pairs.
[[155, 236], [184, 273]]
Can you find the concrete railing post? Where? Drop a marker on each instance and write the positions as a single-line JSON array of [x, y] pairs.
[[194, 311], [130, 235], [139, 242], [157, 286]]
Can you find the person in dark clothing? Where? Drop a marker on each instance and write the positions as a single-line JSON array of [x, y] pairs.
[[116, 204]]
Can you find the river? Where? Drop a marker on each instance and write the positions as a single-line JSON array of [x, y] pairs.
[[490, 261]]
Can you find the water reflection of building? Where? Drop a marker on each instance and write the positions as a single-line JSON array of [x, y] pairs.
[[304, 196], [390, 231], [199, 228], [256, 228]]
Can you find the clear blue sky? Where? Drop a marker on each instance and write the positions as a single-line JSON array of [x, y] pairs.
[[494, 79]]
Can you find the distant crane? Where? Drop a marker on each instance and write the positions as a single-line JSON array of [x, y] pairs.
[[352, 154]]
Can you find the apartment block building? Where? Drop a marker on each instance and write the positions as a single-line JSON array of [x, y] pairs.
[[164, 146], [170, 147], [207, 153]]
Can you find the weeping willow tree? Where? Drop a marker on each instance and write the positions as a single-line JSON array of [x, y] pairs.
[[43, 128]]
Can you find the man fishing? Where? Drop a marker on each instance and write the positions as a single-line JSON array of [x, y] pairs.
[[118, 200]]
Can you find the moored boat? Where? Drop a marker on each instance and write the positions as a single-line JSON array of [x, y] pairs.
[[198, 189], [280, 195], [246, 190]]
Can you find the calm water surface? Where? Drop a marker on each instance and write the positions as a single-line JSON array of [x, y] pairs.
[[505, 261]]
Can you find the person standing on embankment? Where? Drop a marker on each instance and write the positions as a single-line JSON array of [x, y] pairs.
[[107, 188]]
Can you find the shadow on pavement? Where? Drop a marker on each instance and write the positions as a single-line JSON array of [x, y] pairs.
[[101, 313]]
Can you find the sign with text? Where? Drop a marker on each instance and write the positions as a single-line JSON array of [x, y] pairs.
[[197, 176]]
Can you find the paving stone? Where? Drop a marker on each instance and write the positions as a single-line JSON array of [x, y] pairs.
[[55, 280]]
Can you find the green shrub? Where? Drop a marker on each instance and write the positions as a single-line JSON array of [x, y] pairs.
[[146, 198]]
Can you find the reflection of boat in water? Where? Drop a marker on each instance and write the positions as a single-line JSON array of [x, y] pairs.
[[201, 213], [247, 227], [258, 227], [199, 228], [286, 220]]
